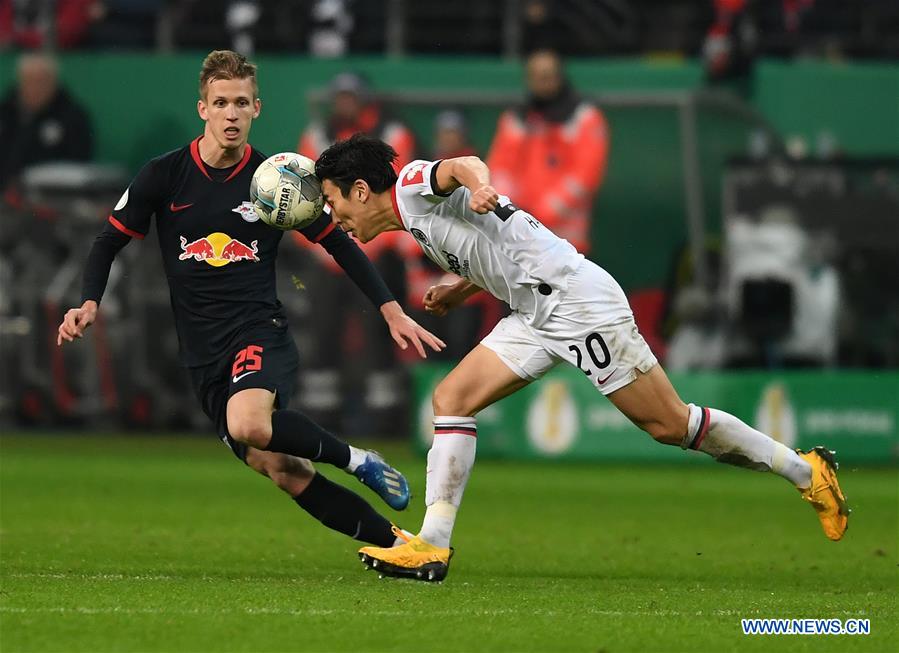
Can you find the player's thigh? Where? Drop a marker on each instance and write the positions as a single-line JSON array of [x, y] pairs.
[[480, 379], [618, 362], [508, 358], [249, 416], [262, 378], [652, 403], [289, 473]]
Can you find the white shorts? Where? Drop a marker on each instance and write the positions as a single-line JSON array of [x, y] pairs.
[[592, 328]]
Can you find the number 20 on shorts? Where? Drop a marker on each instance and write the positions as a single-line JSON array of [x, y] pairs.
[[593, 342]]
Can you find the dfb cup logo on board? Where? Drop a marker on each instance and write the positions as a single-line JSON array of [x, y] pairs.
[[775, 414], [552, 420]]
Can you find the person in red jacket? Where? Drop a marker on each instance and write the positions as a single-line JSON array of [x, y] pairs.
[[550, 154], [338, 328]]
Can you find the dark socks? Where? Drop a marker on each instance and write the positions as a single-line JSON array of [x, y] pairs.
[[295, 434], [342, 510]]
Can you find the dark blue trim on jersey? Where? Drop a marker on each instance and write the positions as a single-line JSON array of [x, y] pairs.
[[433, 180]]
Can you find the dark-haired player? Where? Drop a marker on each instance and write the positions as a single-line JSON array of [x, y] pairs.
[[564, 308], [233, 334]]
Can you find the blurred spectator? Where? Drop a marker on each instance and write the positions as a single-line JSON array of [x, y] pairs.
[[40, 121], [354, 110], [31, 24], [730, 44], [550, 155], [240, 21], [348, 322], [129, 24], [451, 135], [332, 24]]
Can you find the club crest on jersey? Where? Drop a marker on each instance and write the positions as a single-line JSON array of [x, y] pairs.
[[419, 235], [218, 249], [246, 211], [416, 175]]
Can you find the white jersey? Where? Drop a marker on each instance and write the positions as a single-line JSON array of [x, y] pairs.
[[506, 251]]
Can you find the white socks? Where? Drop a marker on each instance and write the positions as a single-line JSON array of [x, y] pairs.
[[357, 457], [449, 465], [402, 539], [729, 440]]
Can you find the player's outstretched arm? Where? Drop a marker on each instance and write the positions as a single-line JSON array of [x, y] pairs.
[[76, 321], [471, 172], [96, 273], [403, 328]]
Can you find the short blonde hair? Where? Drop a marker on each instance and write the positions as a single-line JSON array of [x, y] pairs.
[[226, 64]]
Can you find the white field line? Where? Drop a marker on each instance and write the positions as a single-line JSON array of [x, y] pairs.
[[324, 612]]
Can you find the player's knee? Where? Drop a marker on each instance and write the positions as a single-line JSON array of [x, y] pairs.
[[447, 400], [255, 431]]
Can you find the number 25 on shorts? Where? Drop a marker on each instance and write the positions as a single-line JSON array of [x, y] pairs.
[[248, 359]]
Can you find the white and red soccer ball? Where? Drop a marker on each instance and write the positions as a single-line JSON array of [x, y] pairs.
[[285, 192]]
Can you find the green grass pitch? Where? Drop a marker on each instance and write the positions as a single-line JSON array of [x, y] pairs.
[[168, 544]]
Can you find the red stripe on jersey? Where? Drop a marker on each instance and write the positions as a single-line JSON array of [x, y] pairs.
[[324, 232], [242, 164], [195, 155], [396, 207], [125, 230]]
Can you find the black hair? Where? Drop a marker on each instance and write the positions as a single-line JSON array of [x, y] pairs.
[[358, 157]]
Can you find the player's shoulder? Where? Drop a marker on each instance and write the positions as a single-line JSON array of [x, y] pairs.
[[417, 179], [413, 172], [156, 172], [168, 160]]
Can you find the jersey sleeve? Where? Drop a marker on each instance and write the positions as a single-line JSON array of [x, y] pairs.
[[141, 199], [322, 226], [416, 188]]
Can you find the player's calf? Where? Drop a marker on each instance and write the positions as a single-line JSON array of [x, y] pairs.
[[333, 505], [668, 430], [288, 473]]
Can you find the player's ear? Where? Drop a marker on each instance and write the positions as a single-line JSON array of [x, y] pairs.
[[201, 109], [257, 103], [361, 190]]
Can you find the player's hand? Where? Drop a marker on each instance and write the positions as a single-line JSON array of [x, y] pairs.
[[484, 199], [403, 328], [439, 299], [76, 321]]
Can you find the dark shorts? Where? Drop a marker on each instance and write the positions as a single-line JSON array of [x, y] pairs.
[[264, 357]]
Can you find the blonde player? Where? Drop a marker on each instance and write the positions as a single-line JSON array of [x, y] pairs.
[[564, 309]]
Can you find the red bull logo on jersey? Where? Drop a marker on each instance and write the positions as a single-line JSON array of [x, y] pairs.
[[218, 249]]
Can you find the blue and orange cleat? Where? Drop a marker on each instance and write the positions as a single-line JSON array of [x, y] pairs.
[[387, 482]]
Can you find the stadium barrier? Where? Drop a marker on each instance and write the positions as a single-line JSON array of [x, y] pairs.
[[563, 417]]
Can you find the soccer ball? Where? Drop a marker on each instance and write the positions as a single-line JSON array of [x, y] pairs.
[[285, 192]]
